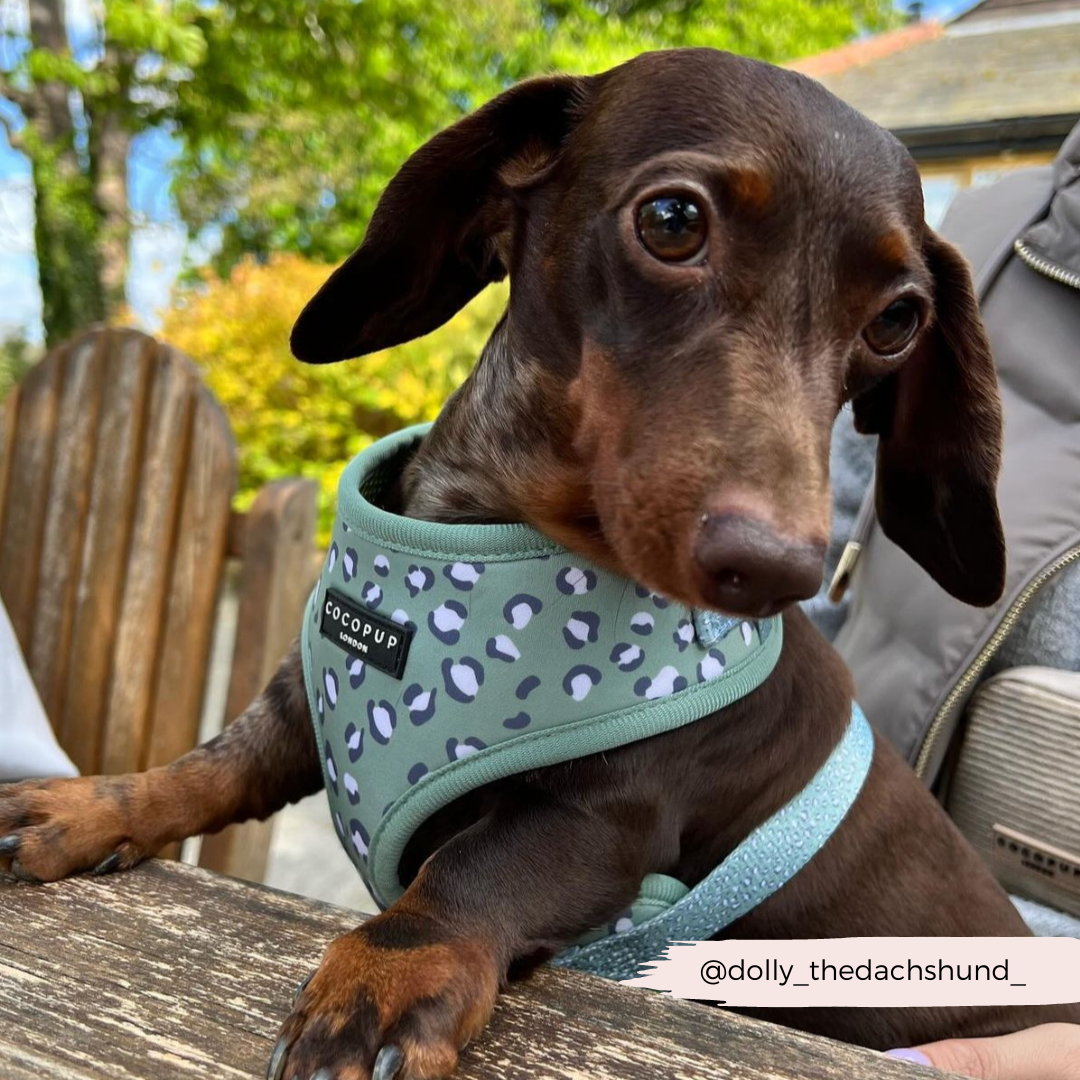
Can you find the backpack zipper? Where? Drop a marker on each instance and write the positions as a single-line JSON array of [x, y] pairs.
[[977, 666], [1045, 267], [960, 689]]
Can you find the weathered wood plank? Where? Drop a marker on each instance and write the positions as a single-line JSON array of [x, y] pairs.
[[9, 411], [149, 563], [193, 585], [65, 517], [172, 972], [275, 581], [28, 494], [113, 494], [234, 546]]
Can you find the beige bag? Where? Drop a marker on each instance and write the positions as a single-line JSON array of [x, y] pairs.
[[1016, 790]]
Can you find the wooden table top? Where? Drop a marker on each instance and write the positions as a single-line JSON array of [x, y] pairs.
[[174, 972]]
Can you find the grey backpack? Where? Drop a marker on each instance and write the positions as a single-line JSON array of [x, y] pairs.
[[917, 654]]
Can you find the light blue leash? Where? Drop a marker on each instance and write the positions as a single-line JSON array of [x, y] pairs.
[[760, 866]]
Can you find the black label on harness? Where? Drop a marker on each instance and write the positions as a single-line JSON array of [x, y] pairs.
[[361, 633]]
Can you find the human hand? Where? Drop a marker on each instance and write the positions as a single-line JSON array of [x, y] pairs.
[[1048, 1052]]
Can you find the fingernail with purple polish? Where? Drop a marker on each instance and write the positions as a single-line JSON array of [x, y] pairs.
[[916, 1057]]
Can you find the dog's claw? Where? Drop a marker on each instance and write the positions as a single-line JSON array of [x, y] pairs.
[[276, 1064], [387, 1063], [301, 986], [24, 875], [107, 866], [10, 844]]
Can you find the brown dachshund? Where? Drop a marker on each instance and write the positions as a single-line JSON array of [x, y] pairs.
[[708, 258]]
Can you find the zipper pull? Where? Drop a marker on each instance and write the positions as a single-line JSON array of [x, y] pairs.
[[860, 532], [844, 569]]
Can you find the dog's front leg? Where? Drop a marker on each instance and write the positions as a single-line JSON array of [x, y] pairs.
[[51, 829], [403, 993]]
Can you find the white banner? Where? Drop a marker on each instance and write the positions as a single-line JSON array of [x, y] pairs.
[[870, 972]]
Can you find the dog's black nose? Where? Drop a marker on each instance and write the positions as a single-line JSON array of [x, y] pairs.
[[745, 568]]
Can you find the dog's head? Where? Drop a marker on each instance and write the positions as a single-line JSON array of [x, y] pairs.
[[708, 256]]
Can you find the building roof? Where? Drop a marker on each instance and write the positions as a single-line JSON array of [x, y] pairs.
[[993, 9], [1004, 75]]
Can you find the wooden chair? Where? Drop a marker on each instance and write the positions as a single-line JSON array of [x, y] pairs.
[[117, 470]]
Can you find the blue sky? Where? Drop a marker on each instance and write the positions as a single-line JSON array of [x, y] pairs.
[[160, 241]]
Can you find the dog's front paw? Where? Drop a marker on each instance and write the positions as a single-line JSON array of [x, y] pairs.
[[384, 1004], [50, 829]]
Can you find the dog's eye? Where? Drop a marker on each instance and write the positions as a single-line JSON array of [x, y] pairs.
[[891, 332], [672, 228]]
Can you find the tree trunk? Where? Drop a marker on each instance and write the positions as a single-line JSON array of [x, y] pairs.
[[68, 223], [47, 31], [110, 143], [111, 197], [66, 232]]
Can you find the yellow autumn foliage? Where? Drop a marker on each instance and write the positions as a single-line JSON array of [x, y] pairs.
[[291, 419]]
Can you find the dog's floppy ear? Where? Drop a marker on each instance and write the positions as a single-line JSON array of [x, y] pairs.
[[431, 244], [940, 424]]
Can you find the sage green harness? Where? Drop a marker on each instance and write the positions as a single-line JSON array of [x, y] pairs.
[[439, 658]]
